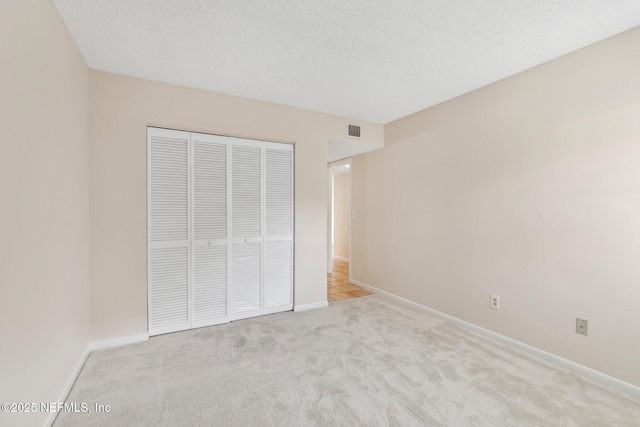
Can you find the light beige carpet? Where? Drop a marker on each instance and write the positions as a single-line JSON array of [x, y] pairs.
[[364, 362]]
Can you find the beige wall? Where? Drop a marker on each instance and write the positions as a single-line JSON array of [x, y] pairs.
[[44, 188], [341, 215], [529, 189], [121, 110]]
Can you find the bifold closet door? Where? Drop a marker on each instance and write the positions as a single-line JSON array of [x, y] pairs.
[[278, 239], [168, 230], [220, 229], [246, 225], [262, 228], [210, 238]]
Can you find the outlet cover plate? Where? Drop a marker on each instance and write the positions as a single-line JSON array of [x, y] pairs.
[[582, 326], [495, 302]]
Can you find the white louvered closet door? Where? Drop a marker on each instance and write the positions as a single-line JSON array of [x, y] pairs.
[[278, 240], [220, 229], [210, 230], [246, 226], [168, 230]]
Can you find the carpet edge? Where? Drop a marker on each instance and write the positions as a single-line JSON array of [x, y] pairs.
[[601, 377]]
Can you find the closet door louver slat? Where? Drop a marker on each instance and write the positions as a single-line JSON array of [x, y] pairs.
[[279, 192], [246, 193], [278, 260], [209, 285], [169, 189], [245, 283], [210, 190], [169, 287]]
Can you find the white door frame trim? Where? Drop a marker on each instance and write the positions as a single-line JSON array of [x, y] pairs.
[[331, 172]]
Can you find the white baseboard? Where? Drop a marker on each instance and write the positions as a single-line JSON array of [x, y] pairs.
[[116, 342], [341, 258], [95, 345], [67, 387], [565, 363], [311, 306]]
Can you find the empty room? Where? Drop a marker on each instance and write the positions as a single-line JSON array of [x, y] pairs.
[[320, 213]]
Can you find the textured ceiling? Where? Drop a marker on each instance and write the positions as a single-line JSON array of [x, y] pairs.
[[375, 60]]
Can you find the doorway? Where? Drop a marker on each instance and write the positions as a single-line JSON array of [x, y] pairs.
[[339, 287], [341, 213]]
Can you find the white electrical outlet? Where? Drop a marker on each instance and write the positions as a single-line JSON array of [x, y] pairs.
[[582, 326], [495, 302]]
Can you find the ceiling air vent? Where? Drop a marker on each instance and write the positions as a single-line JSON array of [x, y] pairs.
[[353, 131]]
